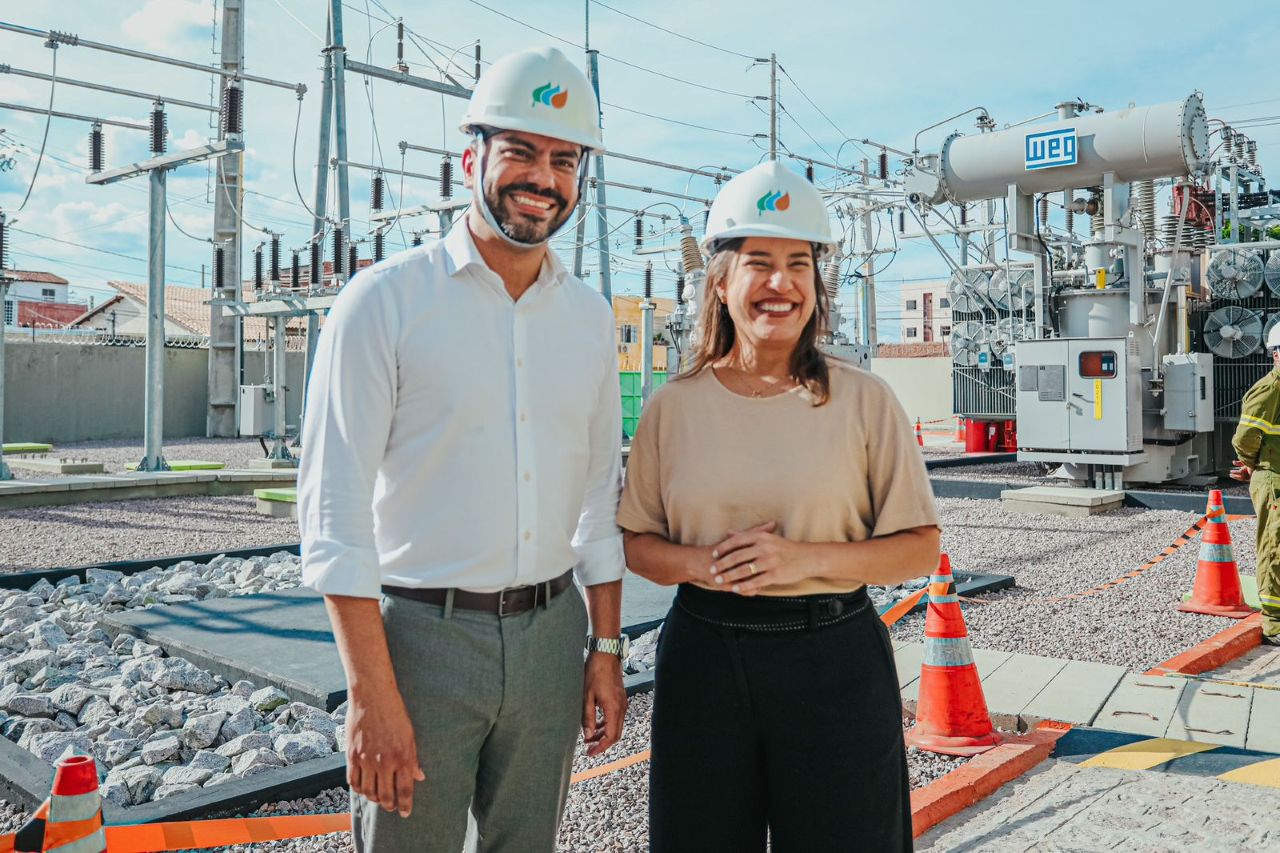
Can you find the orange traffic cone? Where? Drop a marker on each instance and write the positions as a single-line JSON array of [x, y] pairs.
[[951, 713], [919, 434], [1217, 589], [959, 429], [71, 819]]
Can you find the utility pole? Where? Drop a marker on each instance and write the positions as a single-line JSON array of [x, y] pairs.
[[340, 117], [225, 341], [869, 281], [773, 106], [602, 215]]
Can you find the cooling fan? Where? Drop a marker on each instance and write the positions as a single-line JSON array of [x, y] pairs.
[[1271, 272], [1233, 331], [967, 340], [1013, 292], [966, 291], [1009, 331], [1235, 274]]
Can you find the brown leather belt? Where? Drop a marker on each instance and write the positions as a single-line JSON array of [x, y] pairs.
[[508, 602]]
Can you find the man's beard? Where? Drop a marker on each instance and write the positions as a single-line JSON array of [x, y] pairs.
[[516, 226]]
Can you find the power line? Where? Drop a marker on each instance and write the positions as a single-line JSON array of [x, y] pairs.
[[678, 121], [96, 249], [836, 127], [610, 56], [673, 32]]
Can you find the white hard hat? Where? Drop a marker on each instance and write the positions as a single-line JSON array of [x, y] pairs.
[[537, 91], [1273, 337], [769, 200]]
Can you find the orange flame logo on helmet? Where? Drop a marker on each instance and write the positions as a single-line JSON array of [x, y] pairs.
[[551, 96], [775, 200]]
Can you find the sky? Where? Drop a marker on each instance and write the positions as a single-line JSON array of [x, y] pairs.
[[678, 80]]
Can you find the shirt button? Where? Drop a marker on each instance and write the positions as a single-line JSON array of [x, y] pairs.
[[527, 536], [523, 417], [527, 476], [519, 362]]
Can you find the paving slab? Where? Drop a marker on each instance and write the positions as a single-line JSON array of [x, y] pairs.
[[1076, 694], [57, 466], [1063, 806], [907, 658], [1063, 495], [1142, 704], [1014, 684], [1264, 721], [1212, 713]]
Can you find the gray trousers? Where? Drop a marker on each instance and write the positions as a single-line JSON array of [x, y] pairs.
[[496, 706]]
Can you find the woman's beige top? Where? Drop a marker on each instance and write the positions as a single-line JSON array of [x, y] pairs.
[[706, 461]]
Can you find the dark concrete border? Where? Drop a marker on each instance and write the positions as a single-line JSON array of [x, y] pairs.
[[24, 778], [983, 490], [970, 459], [23, 580], [1187, 501], [110, 494]]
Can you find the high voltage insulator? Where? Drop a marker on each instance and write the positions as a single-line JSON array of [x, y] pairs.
[[417, 238], [1044, 211], [648, 281], [1067, 200], [232, 109], [257, 267], [353, 260], [477, 61], [831, 279], [884, 165], [401, 65], [377, 190], [679, 290], [337, 253], [158, 127], [808, 172], [295, 269], [317, 264], [446, 178], [379, 246], [964, 215], [275, 259], [639, 232], [690, 255], [902, 222], [4, 243], [97, 148], [219, 267]]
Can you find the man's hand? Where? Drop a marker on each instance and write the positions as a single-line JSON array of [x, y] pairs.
[[1241, 472], [746, 562], [604, 702], [382, 752]]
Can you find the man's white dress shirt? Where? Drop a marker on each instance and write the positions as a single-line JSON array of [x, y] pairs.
[[456, 438]]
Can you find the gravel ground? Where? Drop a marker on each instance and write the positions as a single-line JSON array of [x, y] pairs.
[[71, 535], [1133, 625], [608, 813], [115, 454]]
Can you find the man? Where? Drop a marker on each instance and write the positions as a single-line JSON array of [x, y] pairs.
[[462, 463], [1257, 444]]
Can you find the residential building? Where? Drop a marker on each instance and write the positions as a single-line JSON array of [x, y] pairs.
[[186, 314], [40, 299], [626, 313], [926, 312]]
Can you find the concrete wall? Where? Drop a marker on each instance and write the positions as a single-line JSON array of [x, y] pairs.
[[68, 392], [923, 385]]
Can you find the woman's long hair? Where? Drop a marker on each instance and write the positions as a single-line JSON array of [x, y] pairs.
[[717, 334]]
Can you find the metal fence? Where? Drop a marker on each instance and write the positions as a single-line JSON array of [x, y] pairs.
[[54, 334]]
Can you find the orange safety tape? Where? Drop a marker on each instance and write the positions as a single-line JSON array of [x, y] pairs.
[[205, 834], [64, 832], [605, 769], [902, 608]]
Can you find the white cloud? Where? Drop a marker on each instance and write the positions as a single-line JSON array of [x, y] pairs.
[[161, 24]]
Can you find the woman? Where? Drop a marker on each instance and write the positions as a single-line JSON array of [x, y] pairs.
[[772, 483]]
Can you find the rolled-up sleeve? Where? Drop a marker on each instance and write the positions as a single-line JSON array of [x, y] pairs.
[[349, 408], [597, 542]]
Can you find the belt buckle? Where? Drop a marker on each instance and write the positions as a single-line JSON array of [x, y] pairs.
[[502, 603]]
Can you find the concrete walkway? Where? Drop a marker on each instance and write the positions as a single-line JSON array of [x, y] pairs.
[[1022, 690], [57, 491], [1061, 806]]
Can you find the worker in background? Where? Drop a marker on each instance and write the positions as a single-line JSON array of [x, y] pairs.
[[773, 483], [1257, 446], [462, 465]]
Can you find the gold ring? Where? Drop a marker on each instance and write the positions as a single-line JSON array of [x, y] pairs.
[[752, 567]]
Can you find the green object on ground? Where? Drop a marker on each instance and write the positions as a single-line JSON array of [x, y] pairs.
[[631, 399], [185, 465], [1248, 585], [27, 447], [285, 495]]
